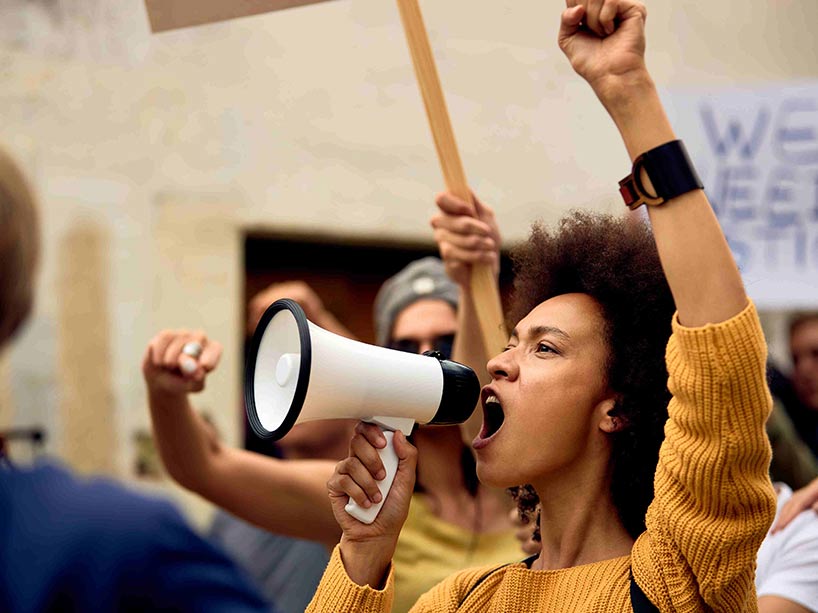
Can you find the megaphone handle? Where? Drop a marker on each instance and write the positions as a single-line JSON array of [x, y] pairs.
[[390, 464]]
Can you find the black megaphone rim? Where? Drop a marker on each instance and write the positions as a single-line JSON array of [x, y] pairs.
[[284, 304]]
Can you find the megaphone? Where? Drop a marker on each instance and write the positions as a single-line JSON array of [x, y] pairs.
[[298, 372]]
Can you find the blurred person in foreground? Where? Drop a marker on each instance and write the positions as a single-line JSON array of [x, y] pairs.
[[71, 544]]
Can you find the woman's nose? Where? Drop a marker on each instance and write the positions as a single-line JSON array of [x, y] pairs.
[[502, 365]]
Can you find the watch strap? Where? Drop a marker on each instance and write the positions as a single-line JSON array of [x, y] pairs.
[[670, 170]]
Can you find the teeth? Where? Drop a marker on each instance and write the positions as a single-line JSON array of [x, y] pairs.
[[493, 416]]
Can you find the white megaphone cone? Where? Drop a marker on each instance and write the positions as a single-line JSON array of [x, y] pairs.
[[298, 372]]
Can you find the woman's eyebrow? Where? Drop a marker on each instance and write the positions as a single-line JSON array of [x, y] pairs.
[[542, 330]]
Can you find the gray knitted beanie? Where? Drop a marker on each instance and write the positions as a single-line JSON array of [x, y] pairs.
[[422, 279]]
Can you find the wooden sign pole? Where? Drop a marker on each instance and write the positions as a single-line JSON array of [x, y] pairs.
[[483, 285]]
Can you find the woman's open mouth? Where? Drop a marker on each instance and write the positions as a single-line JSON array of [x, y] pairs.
[[493, 418]]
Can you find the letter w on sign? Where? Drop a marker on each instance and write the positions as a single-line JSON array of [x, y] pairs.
[[173, 14]]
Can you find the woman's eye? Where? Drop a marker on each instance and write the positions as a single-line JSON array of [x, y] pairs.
[[543, 348]]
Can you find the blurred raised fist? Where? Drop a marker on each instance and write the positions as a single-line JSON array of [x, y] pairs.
[[176, 362]]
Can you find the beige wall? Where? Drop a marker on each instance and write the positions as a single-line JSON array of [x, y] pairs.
[[153, 154]]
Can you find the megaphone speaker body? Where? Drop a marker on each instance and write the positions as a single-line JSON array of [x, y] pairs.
[[298, 372]]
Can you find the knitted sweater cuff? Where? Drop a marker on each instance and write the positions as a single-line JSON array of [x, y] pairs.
[[337, 592]]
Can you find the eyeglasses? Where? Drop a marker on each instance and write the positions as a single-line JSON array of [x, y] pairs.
[[442, 344]]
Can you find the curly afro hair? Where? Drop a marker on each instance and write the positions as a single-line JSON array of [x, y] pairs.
[[613, 260]]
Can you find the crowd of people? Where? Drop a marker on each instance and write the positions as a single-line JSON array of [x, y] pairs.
[[637, 451]]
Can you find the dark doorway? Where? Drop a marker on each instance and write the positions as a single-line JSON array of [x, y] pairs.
[[345, 276]]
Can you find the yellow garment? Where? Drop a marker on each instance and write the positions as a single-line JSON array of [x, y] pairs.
[[430, 549], [713, 504]]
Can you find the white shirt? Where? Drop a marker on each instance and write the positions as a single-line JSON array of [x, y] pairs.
[[788, 560]]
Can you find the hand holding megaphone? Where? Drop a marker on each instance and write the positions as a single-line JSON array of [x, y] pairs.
[[356, 480], [298, 372]]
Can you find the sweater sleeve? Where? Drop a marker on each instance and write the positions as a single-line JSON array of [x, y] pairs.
[[337, 593], [713, 498]]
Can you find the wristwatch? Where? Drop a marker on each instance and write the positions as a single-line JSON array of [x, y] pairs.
[[670, 170]]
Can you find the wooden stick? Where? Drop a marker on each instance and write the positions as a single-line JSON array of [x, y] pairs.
[[483, 285]]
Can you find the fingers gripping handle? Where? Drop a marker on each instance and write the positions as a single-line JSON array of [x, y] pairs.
[[390, 464]]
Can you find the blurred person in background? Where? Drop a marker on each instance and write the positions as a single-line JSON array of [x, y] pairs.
[[287, 569], [793, 462], [71, 544], [787, 566], [803, 400], [454, 522]]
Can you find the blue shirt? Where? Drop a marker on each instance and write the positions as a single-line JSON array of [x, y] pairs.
[[73, 545], [287, 570]]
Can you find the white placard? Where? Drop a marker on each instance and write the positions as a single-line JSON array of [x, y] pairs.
[[756, 150]]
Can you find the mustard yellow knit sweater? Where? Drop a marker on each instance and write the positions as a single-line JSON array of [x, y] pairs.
[[713, 504]]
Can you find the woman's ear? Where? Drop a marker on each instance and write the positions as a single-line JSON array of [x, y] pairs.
[[611, 420]]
